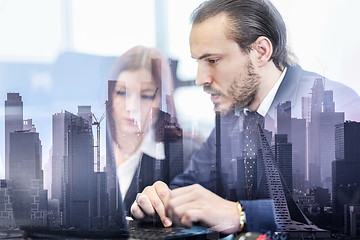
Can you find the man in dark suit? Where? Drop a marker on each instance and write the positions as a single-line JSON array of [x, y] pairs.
[[244, 64]]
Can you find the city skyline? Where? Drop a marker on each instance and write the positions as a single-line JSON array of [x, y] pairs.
[[322, 102], [40, 107], [285, 123]]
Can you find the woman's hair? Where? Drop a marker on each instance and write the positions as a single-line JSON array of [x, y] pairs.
[[151, 59], [248, 20], [140, 57]]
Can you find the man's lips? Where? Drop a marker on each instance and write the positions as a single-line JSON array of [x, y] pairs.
[[214, 97]]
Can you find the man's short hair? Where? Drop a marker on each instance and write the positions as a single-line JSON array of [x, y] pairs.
[[248, 20]]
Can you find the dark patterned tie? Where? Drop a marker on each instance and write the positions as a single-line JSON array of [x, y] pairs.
[[250, 151]]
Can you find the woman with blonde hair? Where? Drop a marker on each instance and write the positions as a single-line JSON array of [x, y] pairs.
[[140, 111]]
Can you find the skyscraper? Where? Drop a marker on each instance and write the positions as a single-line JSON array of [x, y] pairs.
[[25, 158], [13, 122], [293, 166], [328, 119], [306, 108], [322, 134], [60, 121], [288, 217], [347, 140], [299, 163], [283, 158], [345, 170], [78, 174], [110, 169], [306, 114], [29, 199], [170, 133], [317, 92], [283, 119]]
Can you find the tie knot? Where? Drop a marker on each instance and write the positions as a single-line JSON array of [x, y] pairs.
[[251, 115], [252, 120]]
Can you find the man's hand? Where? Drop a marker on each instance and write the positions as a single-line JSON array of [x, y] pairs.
[[151, 201], [186, 206], [194, 203]]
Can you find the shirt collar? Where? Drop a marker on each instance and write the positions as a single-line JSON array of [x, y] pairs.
[[152, 148], [266, 103]]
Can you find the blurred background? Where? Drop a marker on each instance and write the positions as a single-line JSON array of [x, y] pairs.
[[57, 53]]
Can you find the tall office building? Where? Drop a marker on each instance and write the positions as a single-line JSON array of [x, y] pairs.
[[291, 127], [345, 169], [29, 199], [26, 197], [13, 122], [78, 206], [328, 119], [288, 216], [352, 220], [317, 92], [283, 119], [110, 169], [347, 140], [306, 108], [100, 200], [25, 158], [299, 163], [306, 114], [283, 157], [322, 135], [171, 134], [99, 196], [48, 174], [60, 122]]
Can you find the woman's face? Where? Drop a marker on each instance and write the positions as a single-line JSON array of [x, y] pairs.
[[136, 93]]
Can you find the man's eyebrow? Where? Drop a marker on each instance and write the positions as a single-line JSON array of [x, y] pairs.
[[203, 56]]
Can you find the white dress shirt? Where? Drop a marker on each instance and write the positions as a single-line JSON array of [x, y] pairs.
[[266, 103], [125, 172]]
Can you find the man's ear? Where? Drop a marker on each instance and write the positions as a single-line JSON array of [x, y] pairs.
[[263, 49]]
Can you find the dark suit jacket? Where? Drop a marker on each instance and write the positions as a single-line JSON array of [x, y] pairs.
[[144, 176], [150, 169], [296, 84]]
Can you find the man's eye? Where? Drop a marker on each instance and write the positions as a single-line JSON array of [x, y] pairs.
[[121, 93], [213, 60]]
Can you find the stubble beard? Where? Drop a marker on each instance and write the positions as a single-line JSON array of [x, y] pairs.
[[244, 88]]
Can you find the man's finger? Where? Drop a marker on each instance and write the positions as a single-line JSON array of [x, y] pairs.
[[137, 212], [190, 216], [144, 202], [159, 200], [181, 212]]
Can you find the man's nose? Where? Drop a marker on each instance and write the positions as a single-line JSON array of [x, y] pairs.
[[203, 77]]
